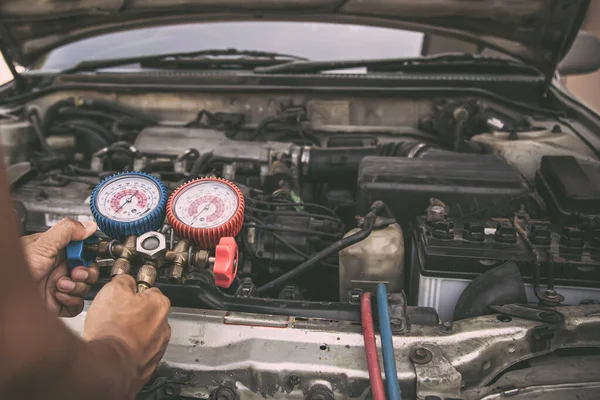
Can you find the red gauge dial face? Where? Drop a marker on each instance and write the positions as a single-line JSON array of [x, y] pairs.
[[206, 204], [127, 199]]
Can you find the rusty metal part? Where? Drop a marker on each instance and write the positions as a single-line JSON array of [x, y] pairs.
[[550, 296], [437, 378], [146, 277], [258, 353]]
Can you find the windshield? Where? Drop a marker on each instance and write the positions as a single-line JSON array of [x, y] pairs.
[[315, 41]]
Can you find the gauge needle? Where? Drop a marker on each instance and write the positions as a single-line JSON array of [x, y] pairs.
[[127, 201], [206, 207]]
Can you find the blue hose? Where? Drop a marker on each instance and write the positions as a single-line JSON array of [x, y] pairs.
[[387, 345]]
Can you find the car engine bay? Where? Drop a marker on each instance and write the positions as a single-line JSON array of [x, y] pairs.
[[481, 217]]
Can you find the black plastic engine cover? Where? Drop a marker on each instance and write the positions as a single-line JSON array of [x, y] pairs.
[[470, 184], [570, 187]]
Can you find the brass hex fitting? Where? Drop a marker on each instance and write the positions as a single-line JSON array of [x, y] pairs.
[[200, 259], [151, 246]]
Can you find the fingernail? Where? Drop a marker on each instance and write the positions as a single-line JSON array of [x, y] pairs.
[[66, 285], [80, 275], [90, 226]]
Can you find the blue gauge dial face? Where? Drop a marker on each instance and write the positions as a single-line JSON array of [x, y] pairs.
[[128, 198]]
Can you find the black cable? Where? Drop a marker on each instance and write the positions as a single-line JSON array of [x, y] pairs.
[[293, 230], [291, 213], [35, 122], [341, 244], [282, 204], [105, 133], [85, 130], [296, 250]]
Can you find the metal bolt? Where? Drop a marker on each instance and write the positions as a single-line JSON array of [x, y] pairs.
[[321, 393], [224, 393], [556, 129], [170, 389], [294, 380], [420, 355], [354, 295], [549, 316], [446, 327]]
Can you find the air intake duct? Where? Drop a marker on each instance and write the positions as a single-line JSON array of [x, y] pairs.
[[340, 164]]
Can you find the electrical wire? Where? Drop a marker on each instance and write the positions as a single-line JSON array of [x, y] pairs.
[[387, 344], [366, 313], [283, 204], [290, 213], [293, 230]]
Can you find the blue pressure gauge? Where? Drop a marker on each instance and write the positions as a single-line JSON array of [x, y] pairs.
[[129, 203]]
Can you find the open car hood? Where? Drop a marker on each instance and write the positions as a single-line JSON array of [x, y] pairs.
[[538, 32]]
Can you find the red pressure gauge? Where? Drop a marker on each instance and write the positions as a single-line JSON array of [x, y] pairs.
[[205, 210]]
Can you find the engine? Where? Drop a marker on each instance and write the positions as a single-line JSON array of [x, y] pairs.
[[326, 216]]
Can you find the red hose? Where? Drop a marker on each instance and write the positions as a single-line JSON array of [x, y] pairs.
[[366, 313]]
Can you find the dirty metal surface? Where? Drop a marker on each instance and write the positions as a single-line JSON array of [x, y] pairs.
[[259, 355]]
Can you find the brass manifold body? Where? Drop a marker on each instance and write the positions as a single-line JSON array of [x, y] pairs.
[[149, 253]]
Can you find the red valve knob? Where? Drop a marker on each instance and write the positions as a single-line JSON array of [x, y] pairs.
[[226, 262]]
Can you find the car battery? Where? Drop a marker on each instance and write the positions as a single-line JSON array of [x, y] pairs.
[[448, 254]]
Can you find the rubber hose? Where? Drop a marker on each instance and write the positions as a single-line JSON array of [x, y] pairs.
[[52, 113], [200, 163], [99, 129], [387, 345], [366, 313]]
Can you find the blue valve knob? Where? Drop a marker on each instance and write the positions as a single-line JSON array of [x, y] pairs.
[[77, 254]]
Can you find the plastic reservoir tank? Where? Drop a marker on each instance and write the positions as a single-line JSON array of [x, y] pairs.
[[378, 258]]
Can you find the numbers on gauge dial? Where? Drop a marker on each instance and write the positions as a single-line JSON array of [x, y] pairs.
[[127, 198], [206, 204]]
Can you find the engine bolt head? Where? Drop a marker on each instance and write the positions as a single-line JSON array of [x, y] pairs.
[[447, 327], [294, 380], [420, 355], [224, 393]]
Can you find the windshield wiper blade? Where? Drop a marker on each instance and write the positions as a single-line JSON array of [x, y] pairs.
[[246, 57], [395, 64]]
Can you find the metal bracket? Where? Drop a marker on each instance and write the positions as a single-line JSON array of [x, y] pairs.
[[436, 377], [397, 307], [246, 289], [540, 314]]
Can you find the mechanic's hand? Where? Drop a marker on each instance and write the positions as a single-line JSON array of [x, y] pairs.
[[139, 320], [46, 257]]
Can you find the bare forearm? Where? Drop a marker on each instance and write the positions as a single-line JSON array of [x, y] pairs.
[[39, 356]]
